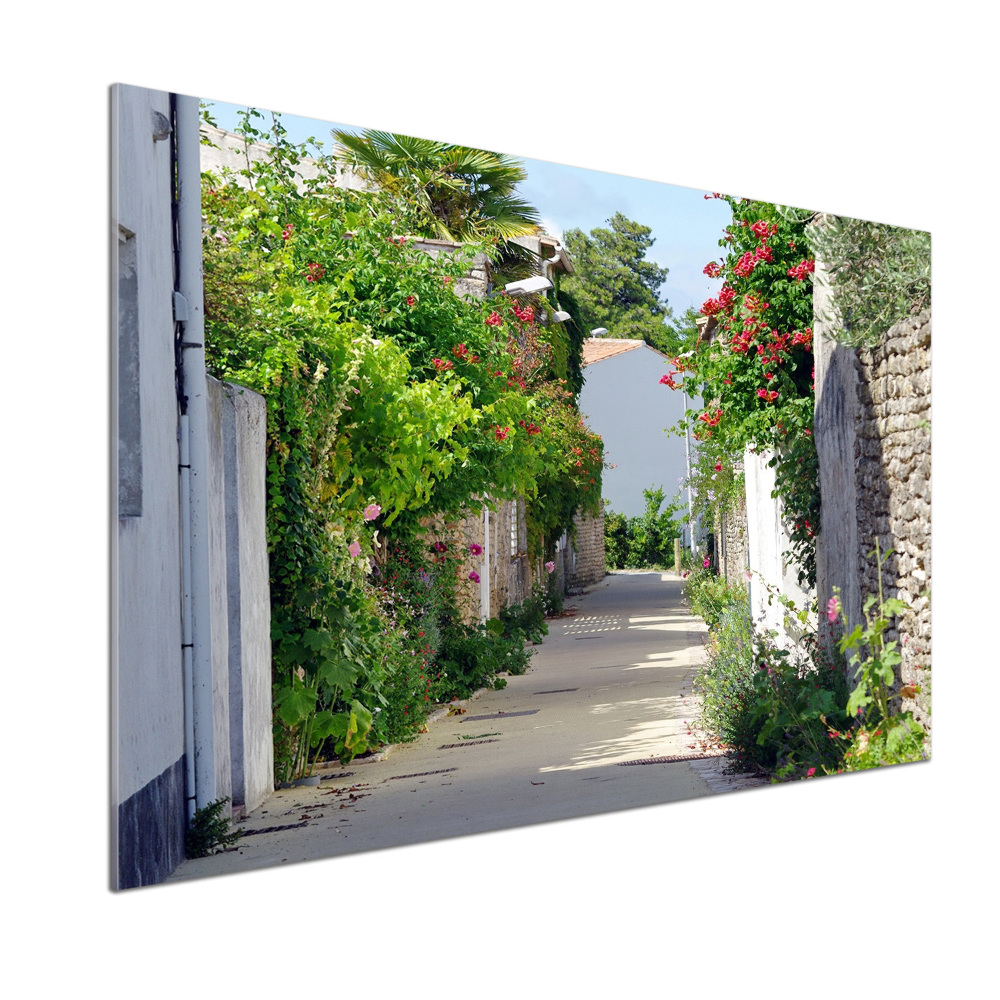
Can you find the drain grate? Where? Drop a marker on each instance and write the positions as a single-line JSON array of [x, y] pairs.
[[420, 774], [558, 691], [499, 715], [465, 743], [670, 760]]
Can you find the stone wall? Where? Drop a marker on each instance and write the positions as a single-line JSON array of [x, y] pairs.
[[893, 475], [872, 433], [585, 562], [732, 548], [508, 576]]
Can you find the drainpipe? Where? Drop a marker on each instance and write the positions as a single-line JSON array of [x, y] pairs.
[[188, 312], [484, 580], [687, 461]]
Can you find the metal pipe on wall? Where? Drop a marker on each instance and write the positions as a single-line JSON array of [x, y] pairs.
[[189, 310]]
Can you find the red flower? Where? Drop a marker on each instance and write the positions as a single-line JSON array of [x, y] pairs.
[[500, 432], [718, 467], [494, 319], [410, 300], [443, 366]]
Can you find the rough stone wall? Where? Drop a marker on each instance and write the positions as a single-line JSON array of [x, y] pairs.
[[508, 578], [732, 546], [893, 476], [872, 432], [585, 561]]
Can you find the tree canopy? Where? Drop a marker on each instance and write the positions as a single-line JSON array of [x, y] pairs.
[[615, 286]]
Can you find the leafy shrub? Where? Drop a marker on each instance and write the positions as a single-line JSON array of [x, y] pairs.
[[709, 595], [646, 540], [773, 709], [526, 619], [209, 831], [473, 657]]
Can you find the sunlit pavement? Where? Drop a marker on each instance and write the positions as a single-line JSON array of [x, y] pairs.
[[610, 687]]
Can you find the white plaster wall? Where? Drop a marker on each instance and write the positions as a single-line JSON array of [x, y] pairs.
[[768, 542], [623, 401], [219, 602], [250, 601], [147, 699]]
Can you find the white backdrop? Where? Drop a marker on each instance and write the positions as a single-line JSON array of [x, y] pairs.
[[715, 895]]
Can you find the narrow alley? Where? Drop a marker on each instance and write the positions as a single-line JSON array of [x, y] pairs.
[[584, 731]]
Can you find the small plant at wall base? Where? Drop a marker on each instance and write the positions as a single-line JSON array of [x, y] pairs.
[[883, 735], [209, 831]]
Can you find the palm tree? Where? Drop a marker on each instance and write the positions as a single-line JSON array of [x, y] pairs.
[[460, 194]]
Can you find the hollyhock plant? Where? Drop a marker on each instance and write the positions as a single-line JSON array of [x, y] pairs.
[[476, 550], [474, 576]]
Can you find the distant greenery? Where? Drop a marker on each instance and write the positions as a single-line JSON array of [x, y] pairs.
[[646, 540], [614, 286]]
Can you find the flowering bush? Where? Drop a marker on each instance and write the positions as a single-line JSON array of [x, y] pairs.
[[390, 398], [755, 373]]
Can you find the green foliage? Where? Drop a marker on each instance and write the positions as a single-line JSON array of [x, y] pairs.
[[792, 712], [391, 401], [885, 735], [755, 371], [614, 286], [879, 275], [450, 192], [209, 831], [709, 594], [646, 540], [474, 656], [527, 618]]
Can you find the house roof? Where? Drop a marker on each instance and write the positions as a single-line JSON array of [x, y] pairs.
[[601, 348]]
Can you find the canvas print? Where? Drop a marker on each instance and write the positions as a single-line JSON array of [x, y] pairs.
[[458, 491]]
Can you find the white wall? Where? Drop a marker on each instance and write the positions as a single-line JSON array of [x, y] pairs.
[[623, 401], [146, 656], [768, 542]]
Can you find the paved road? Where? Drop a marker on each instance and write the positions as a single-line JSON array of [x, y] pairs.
[[608, 686]]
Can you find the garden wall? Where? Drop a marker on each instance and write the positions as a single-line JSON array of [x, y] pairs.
[[732, 546], [585, 562], [872, 429]]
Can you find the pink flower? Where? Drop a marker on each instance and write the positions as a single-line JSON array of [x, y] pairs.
[[474, 576], [355, 549], [372, 511], [749, 575], [550, 567], [718, 467], [810, 772], [476, 550], [707, 562], [832, 609]]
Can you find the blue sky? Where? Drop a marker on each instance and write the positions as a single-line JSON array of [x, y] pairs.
[[686, 228]]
